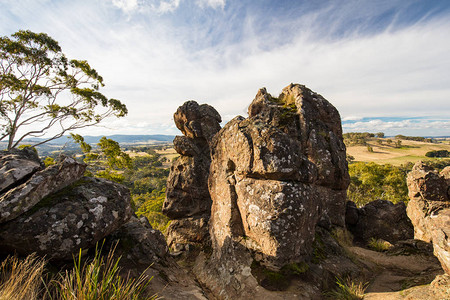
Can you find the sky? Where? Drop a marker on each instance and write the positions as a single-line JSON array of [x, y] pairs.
[[385, 65]]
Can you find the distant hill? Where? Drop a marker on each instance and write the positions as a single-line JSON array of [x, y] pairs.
[[120, 138]]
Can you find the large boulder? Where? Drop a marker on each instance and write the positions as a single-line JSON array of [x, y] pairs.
[[77, 216], [188, 201], [429, 209], [375, 220], [273, 178], [17, 166], [27, 194]]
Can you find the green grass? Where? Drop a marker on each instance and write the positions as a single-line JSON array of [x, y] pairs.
[[347, 290], [378, 245]]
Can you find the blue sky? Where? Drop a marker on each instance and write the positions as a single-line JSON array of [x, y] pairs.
[[384, 64]]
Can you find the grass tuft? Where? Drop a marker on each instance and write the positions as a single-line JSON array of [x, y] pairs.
[[21, 279], [379, 245], [347, 290], [95, 279]]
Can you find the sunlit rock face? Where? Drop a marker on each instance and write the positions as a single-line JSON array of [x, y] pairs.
[[276, 174], [188, 201], [429, 209], [274, 177]]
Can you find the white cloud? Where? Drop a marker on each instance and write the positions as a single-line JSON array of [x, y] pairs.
[[413, 127], [211, 3], [126, 5], [158, 6], [154, 66]]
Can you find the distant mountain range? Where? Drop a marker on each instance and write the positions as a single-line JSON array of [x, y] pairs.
[[120, 138]]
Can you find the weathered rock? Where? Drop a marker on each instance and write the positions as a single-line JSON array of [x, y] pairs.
[[185, 231], [20, 199], [76, 217], [429, 209], [139, 242], [273, 178], [187, 196], [144, 250], [375, 220], [17, 166], [190, 147], [197, 120]]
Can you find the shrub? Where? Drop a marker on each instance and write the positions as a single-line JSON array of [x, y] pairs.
[[371, 181], [438, 153]]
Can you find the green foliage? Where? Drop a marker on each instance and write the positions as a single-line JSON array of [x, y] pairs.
[[27, 146], [369, 148], [348, 290], [34, 75], [380, 134], [378, 245], [370, 181], [438, 153], [150, 206], [414, 138], [108, 163], [49, 161], [357, 138], [115, 157]]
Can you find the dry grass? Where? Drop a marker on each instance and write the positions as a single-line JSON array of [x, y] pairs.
[[348, 290], [411, 151], [21, 279], [97, 279]]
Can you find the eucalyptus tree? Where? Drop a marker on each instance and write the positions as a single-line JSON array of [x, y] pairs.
[[44, 94]]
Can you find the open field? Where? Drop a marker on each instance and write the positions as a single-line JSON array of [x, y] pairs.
[[411, 151], [169, 153]]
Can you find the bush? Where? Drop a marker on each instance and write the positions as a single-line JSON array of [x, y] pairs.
[[150, 206], [438, 153], [370, 181]]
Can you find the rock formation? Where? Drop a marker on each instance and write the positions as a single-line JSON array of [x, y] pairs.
[[375, 220], [54, 211], [274, 176], [429, 209], [187, 197]]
